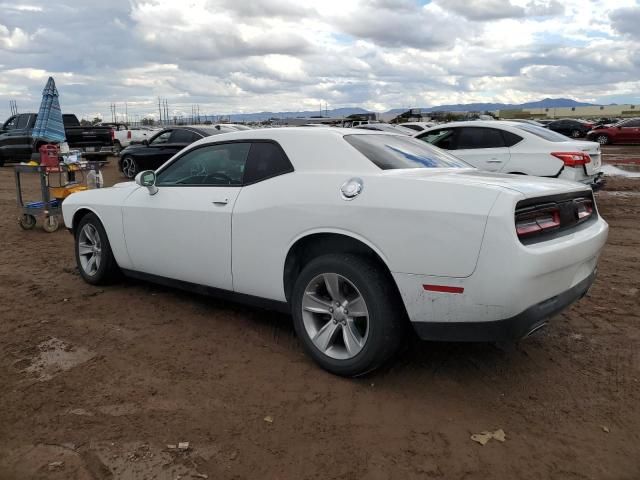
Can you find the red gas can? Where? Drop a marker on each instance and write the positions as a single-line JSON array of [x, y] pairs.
[[49, 155]]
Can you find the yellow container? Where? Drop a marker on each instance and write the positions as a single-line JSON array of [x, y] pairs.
[[64, 192]]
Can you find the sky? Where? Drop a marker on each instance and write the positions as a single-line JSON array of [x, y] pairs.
[[241, 56]]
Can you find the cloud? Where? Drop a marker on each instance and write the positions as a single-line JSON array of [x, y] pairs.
[[483, 10], [626, 21]]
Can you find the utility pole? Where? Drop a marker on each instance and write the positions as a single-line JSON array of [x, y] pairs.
[[126, 113], [160, 111], [166, 109]]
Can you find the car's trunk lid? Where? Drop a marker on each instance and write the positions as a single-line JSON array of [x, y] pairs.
[[529, 186]]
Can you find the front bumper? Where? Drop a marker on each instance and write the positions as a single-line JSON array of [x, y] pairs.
[[509, 329]]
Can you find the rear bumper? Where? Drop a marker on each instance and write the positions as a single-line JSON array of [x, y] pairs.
[[598, 182], [508, 329]]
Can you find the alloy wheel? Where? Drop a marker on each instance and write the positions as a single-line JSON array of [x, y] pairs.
[[89, 249], [129, 167], [335, 316]]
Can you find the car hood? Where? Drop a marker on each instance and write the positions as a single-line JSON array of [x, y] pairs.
[[133, 147], [527, 185]]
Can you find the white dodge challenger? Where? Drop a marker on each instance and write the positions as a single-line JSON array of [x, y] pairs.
[[358, 234]]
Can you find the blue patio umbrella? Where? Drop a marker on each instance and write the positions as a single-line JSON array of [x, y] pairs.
[[49, 124]]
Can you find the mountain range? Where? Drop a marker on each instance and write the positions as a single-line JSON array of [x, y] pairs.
[[459, 107]]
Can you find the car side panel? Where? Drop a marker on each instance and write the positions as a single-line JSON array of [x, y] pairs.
[[416, 226]]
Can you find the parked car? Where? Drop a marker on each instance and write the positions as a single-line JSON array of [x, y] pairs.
[[123, 135], [161, 147], [386, 127], [18, 145], [571, 127], [626, 131], [521, 148], [417, 126], [358, 234]]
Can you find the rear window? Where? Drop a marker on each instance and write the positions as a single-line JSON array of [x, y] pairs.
[[391, 152], [541, 132]]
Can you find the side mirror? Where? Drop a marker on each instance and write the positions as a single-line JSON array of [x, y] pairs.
[[145, 142], [147, 179], [619, 127]]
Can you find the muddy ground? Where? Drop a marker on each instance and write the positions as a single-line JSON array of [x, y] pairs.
[[99, 383]]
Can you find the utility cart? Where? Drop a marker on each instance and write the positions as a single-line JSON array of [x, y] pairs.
[[56, 183]]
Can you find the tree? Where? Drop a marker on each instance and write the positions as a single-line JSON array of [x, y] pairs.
[[148, 122], [96, 120]]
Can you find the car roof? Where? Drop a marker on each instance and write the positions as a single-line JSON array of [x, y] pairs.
[[309, 149]]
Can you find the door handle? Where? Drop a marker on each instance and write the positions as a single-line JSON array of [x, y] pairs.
[[494, 160], [221, 202]]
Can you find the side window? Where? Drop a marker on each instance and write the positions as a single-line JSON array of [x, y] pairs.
[[211, 165], [443, 138], [266, 160], [162, 138], [477, 137], [510, 139], [23, 121], [184, 136], [632, 124], [11, 123]]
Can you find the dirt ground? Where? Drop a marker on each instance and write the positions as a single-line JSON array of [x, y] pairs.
[[100, 383]]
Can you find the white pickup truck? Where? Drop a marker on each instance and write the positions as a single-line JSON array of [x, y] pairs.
[[123, 135]]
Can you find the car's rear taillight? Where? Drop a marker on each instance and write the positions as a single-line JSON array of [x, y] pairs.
[[113, 134], [573, 159], [584, 209], [128, 134], [537, 221]]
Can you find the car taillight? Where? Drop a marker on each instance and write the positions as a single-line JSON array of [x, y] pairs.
[[584, 209], [113, 134], [537, 222], [573, 159], [128, 134]]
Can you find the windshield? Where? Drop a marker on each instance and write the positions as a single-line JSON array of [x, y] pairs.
[[542, 132], [391, 152]]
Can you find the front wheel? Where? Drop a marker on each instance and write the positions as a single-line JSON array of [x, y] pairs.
[[50, 224], [347, 314], [94, 257], [576, 134], [602, 139]]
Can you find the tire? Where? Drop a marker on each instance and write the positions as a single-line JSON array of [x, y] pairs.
[[603, 139], [129, 167], [27, 221], [117, 148], [576, 133], [373, 337], [91, 236], [50, 224]]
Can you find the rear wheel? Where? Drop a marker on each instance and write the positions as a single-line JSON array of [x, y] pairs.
[[347, 315], [576, 134], [27, 221], [117, 148], [603, 139], [129, 167], [94, 257]]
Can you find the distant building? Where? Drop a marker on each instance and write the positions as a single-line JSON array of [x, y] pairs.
[[595, 111]]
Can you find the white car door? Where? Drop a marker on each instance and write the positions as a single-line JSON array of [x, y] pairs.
[[482, 147], [183, 231]]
